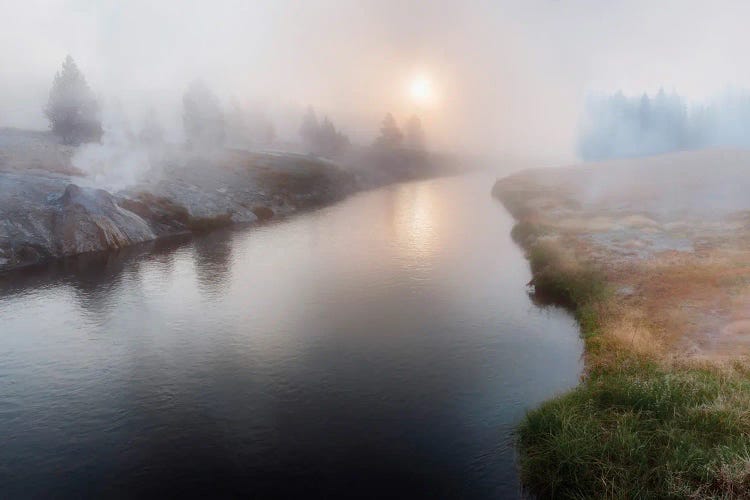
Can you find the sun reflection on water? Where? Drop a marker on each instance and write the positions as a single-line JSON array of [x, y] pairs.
[[415, 220]]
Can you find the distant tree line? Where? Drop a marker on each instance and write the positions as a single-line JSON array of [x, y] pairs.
[[321, 137], [620, 126], [207, 126], [74, 115], [249, 126], [392, 137]]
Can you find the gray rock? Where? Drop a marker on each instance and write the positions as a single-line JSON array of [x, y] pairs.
[[48, 214]]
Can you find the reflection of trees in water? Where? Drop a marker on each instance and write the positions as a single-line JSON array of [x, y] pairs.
[[213, 260], [162, 253], [390, 212], [93, 277]]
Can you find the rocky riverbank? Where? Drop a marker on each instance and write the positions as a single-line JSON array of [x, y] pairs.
[[50, 208]]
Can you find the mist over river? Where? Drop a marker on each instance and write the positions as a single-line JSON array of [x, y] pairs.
[[382, 346]]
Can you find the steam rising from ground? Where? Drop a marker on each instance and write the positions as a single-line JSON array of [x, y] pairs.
[[120, 160]]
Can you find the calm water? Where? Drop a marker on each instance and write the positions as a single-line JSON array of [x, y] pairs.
[[382, 346]]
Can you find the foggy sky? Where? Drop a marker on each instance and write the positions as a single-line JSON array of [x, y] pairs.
[[510, 76]]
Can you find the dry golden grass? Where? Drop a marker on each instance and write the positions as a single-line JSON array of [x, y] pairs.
[[690, 304], [629, 328], [679, 304]]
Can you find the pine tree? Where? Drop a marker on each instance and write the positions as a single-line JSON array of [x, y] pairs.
[[415, 133], [321, 137], [202, 117], [238, 134], [644, 112], [152, 133], [309, 131], [264, 130], [260, 127], [390, 135], [328, 138], [331, 141], [72, 109]]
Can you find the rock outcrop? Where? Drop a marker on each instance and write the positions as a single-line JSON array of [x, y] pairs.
[[51, 208], [49, 213], [89, 219]]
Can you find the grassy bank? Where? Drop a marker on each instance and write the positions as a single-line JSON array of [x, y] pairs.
[[640, 425]]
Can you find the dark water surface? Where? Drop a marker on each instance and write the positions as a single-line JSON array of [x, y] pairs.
[[382, 346]]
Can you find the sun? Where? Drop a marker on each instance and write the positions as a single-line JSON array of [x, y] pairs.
[[421, 90]]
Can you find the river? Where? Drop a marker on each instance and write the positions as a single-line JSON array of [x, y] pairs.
[[382, 346]]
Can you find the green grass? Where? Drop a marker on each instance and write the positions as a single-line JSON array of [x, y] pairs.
[[573, 286], [641, 432], [635, 427]]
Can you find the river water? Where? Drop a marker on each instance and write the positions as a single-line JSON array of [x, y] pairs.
[[382, 346]]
